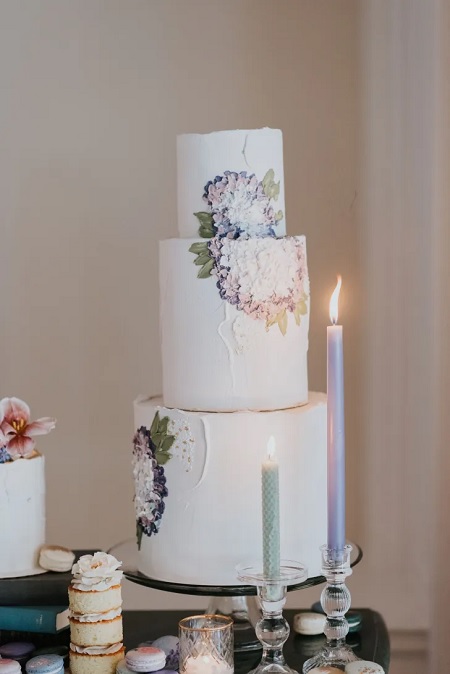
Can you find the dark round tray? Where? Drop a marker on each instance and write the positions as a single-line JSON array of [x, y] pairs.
[[127, 551]]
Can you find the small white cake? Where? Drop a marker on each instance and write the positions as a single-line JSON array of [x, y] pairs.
[[22, 520], [22, 489], [95, 602]]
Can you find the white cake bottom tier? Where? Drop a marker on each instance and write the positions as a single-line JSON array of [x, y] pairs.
[[220, 355], [211, 518], [22, 516]]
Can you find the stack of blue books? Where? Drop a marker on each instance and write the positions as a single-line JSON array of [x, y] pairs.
[[36, 606]]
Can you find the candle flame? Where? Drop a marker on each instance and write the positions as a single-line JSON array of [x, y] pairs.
[[271, 447], [335, 301]]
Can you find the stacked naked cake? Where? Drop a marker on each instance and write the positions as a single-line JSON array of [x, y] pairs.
[[95, 601]]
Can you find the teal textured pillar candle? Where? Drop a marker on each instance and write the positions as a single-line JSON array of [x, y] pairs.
[[270, 513]]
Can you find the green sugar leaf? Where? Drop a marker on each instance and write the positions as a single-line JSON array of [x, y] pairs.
[[206, 229], [167, 443], [162, 457], [155, 424], [199, 247], [270, 187], [205, 271], [268, 179], [138, 535], [206, 232], [202, 259], [163, 425], [282, 321], [278, 216], [271, 321], [157, 439], [300, 310]]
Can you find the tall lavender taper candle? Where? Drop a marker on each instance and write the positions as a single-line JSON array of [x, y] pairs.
[[270, 513], [336, 429]]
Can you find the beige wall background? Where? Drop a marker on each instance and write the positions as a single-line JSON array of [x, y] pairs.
[[93, 94]]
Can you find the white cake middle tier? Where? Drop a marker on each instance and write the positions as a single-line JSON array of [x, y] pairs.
[[234, 323], [198, 488]]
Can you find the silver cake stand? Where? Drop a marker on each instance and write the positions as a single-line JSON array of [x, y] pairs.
[[237, 601]]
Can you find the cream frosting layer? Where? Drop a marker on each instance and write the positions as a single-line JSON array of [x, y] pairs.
[[95, 617], [95, 573], [96, 650]]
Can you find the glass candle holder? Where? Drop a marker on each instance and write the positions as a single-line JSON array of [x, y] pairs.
[[272, 629], [206, 645]]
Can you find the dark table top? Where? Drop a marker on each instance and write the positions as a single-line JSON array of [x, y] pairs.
[[370, 643]]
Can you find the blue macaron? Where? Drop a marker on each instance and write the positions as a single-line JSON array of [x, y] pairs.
[[45, 664]]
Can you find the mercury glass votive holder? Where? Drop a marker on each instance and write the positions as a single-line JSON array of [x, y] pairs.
[[206, 645]]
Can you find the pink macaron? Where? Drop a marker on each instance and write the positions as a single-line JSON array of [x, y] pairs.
[[145, 659], [8, 666]]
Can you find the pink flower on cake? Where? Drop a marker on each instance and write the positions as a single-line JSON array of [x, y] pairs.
[[18, 430]]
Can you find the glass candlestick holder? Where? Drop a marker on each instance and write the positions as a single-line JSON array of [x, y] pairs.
[[272, 629], [336, 601]]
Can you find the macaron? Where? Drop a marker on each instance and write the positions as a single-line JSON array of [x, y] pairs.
[[171, 647], [145, 659], [8, 666], [45, 664], [325, 670], [122, 668], [309, 623], [354, 618], [56, 558], [17, 650], [63, 651]]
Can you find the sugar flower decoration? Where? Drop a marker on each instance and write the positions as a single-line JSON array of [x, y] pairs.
[[241, 205], [150, 482], [18, 431], [265, 279]]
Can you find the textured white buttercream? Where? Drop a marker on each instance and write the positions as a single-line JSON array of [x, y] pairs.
[[202, 157], [22, 516], [212, 518], [216, 357]]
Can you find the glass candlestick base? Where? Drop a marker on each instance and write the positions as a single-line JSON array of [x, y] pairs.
[[272, 629], [336, 601]]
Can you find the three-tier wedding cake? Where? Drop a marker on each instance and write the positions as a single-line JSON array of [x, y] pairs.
[[234, 311]]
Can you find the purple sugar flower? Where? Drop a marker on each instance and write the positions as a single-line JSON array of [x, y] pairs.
[[239, 206], [150, 483]]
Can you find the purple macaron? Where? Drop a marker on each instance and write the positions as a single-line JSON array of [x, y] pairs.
[[171, 647], [17, 650]]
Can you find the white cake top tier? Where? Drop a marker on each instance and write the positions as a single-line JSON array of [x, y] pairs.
[[232, 180]]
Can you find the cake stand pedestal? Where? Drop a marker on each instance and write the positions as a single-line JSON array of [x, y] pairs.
[[237, 601]]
